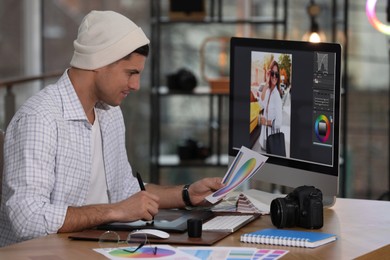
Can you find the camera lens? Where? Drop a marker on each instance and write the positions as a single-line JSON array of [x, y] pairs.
[[284, 213]]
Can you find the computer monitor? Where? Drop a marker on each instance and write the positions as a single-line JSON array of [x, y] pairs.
[[304, 105]]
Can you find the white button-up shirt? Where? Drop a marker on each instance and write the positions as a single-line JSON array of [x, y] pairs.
[[48, 161]]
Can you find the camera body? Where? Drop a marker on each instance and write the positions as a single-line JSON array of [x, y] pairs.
[[302, 207]]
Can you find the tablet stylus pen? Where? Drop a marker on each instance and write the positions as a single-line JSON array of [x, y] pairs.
[[140, 182], [142, 187]]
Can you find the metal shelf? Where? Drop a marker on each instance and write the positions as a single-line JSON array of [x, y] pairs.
[[173, 160], [197, 91], [216, 17], [227, 20]]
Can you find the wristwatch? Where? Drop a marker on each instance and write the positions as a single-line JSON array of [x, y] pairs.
[[186, 196]]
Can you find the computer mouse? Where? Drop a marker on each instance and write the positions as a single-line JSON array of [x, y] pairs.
[[152, 233]]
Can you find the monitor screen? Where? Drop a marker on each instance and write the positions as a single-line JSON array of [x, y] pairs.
[[285, 104]]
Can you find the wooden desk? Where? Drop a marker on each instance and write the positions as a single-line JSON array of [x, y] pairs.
[[361, 226]]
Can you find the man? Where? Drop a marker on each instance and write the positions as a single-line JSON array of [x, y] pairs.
[[66, 166]]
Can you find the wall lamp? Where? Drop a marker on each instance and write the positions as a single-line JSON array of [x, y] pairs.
[[314, 35]]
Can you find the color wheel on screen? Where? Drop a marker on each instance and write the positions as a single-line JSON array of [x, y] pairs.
[[144, 252], [322, 128]]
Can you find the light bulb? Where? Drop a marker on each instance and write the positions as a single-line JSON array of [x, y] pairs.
[[314, 37]]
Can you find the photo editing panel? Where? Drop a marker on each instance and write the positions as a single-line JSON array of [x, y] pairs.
[[323, 99]]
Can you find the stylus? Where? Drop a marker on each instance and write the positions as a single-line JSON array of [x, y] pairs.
[[142, 187], [140, 182]]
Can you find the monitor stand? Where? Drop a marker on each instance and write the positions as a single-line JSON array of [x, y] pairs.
[[267, 197]]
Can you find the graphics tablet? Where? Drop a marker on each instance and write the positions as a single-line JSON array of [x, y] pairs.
[[170, 220]]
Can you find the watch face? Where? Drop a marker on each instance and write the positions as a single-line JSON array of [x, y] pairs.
[[313, 9]]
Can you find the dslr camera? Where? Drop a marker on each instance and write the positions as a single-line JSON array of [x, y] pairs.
[[302, 207]]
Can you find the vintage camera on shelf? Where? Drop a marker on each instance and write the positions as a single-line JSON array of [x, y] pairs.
[[302, 207], [182, 80], [191, 149]]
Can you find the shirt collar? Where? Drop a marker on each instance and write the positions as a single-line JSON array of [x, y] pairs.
[[72, 107]]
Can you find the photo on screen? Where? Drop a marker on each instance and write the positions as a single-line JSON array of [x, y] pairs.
[[270, 102]]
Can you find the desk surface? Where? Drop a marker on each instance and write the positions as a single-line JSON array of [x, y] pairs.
[[362, 226]]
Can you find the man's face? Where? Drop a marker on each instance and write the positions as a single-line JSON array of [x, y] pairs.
[[115, 81]]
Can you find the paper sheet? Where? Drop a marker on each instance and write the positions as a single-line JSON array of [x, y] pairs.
[[242, 253], [163, 252], [244, 166]]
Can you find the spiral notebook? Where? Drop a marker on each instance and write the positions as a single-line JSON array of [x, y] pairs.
[[283, 237]]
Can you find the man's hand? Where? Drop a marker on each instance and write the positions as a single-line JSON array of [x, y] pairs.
[[202, 188], [142, 205]]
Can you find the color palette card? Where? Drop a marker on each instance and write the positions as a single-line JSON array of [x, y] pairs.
[[145, 252], [245, 165], [233, 253]]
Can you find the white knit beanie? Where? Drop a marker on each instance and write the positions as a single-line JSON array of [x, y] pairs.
[[105, 37]]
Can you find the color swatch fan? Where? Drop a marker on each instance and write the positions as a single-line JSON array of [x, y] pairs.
[[244, 166], [245, 205]]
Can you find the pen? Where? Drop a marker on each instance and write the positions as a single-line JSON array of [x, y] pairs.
[[140, 182], [142, 187]]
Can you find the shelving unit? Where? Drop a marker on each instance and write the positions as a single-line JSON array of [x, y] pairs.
[[214, 131], [159, 92]]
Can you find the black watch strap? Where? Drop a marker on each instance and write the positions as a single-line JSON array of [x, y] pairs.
[[186, 196]]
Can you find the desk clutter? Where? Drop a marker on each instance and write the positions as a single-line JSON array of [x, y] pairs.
[[355, 238], [193, 232]]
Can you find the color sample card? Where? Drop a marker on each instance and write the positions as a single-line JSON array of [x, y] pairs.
[[268, 254], [245, 165], [233, 253]]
